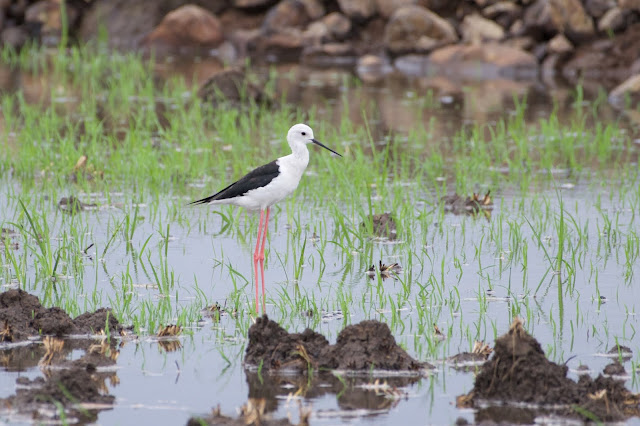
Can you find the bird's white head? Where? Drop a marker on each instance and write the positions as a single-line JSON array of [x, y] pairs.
[[300, 135]]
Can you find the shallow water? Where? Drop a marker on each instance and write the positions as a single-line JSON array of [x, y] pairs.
[[465, 273]]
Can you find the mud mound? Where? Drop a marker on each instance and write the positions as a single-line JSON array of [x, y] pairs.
[[369, 344], [362, 346], [520, 372], [22, 316]]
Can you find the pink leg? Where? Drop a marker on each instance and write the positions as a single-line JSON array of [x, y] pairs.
[[256, 257], [264, 240]]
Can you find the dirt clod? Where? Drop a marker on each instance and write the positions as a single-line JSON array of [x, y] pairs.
[[362, 346], [22, 314], [520, 372]]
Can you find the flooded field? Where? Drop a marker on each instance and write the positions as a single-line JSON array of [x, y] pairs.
[[505, 200]]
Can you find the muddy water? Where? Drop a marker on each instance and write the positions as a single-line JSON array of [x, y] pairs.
[[169, 384]]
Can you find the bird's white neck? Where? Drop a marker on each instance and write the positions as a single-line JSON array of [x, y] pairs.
[[301, 153]]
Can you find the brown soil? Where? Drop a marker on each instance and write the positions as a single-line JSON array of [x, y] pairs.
[[520, 372], [22, 316], [362, 346], [64, 382]]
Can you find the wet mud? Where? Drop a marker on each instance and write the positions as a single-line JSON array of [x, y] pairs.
[[520, 372], [364, 346], [69, 390], [72, 391], [384, 226], [460, 205], [22, 316], [268, 391]]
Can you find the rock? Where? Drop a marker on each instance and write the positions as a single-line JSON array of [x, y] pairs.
[[570, 18], [126, 22], [47, 14], [329, 54], [627, 93], [504, 13], [629, 5], [560, 44], [546, 18], [485, 61], [537, 20], [284, 46], [286, 14], [387, 7], [187, 27], [522, 43], [316, 33], [315, 9], [414, 28], [15, 37], [338, 25], [475, 28], [597, 8], [230, 85], [372, 68], [358, 10], [608, 60], [253, 4], [614, 20]]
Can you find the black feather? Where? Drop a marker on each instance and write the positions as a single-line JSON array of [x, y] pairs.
[[257, 178]]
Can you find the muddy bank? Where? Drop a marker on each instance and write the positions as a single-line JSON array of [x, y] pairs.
[[23, 316], [364, 346], [520, 372]]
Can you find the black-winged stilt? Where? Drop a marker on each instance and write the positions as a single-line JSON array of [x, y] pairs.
[[263, 187]]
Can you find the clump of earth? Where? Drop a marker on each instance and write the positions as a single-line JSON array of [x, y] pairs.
[[23, 316], [520, 372], [73, 385], [363, 346]]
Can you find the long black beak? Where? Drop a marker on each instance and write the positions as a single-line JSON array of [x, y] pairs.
[[317, 142]]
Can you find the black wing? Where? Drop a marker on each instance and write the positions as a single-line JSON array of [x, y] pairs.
[[255, 179]]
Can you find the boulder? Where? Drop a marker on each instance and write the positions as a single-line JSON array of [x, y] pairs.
[[560, 44], [387, 7], [414, 28], [614, 20], [47, 14], [629, 5], [128, 22], [230, 85], [626, 94], [283, 46], [475, 28], [253, 4], [504, 13], [358, 10], [338, 25], [286, 14], [597, 8], [188, 27], [15, 37], [570, 18], [316, 34], [315, 9]]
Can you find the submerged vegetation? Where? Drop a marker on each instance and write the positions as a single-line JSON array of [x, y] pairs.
[[559, 248]]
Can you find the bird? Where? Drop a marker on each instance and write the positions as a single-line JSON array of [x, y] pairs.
[[265, 186]]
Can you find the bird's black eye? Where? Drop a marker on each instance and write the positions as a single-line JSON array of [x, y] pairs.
[[304, 133]]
